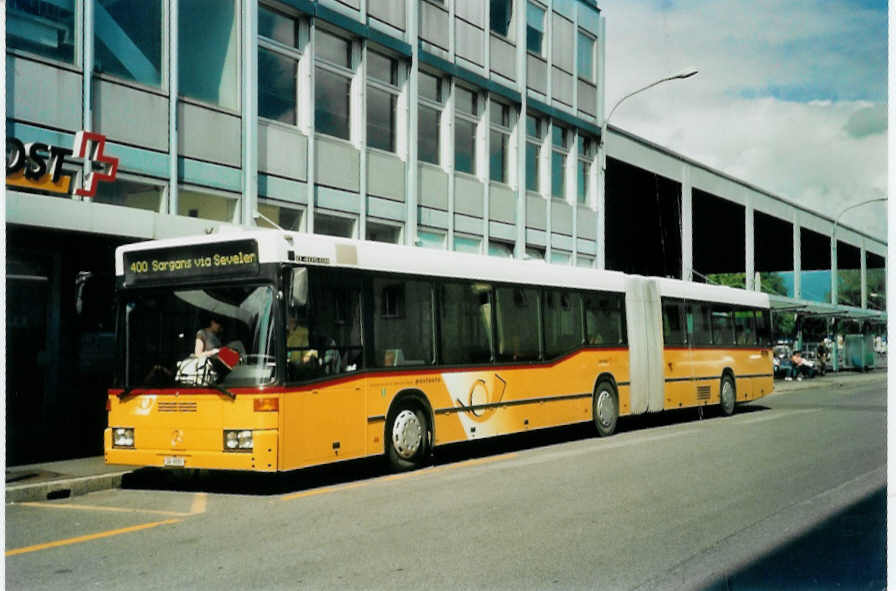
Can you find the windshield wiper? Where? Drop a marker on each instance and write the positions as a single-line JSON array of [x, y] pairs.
[[223, 390], [125, 393]]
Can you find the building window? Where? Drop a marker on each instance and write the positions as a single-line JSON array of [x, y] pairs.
[[583, 170], [208, 63], [331, 225], [501, 17], [559, 148], [332, 85], [560, 258], [534, 135], [428, 117], [585, 58], [383, 233], [129, 193], [278, 27], [435, 240], [278, 66], [284, 216], [466, 109], [382, 96], [206, 204], [465, 244], [535, 28], [46, 28], [499, 140], [128, 40]]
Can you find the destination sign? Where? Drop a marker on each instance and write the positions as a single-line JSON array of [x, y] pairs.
[[196, 261]]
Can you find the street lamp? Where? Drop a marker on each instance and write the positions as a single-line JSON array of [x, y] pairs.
[[835, 297], [602, 159], [834, 282]]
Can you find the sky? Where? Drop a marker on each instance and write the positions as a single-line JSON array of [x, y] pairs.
[[791, 94]]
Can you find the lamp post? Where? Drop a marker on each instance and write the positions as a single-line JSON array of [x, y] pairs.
[[835, 296], [602, 160]]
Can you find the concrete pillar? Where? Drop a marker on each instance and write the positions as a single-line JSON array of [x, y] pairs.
[[797, 257], [750, 246], [687, 225], [250, 112]]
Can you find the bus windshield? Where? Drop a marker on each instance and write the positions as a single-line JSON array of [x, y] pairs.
[[162, 327]]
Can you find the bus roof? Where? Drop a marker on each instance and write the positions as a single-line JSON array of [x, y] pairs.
[[276, 246]]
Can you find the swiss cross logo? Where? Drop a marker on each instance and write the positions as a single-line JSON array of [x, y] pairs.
[[44, 167], [84, 140]]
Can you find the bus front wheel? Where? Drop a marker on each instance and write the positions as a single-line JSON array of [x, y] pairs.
[[728, 395], [408, 436], [605, 408]]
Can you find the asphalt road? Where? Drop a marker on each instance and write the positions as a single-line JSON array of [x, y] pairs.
[[788, 493]]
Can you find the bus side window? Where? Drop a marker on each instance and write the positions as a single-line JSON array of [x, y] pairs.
[[722, 325], [673, 330], [605, 319], [699, 328], [744, 323], [466, 323], [518, 323]]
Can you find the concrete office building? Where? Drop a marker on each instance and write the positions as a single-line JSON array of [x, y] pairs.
[[456, 124]]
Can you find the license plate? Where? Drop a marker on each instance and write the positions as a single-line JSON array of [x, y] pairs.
[[174, 461]]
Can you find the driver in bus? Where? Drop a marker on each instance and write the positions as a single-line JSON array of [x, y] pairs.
[[208, 339]]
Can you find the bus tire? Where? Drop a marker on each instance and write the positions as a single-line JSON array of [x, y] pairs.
[[407, 438], [727, 395], [605, 408]]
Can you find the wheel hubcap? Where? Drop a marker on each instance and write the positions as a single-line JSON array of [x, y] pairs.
[[727, 394], [407, 434], [605, 408]]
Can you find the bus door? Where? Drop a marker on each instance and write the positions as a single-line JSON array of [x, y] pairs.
[[328, 418], [678, 368]]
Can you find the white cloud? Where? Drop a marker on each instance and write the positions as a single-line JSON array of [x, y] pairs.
[[790, 95]]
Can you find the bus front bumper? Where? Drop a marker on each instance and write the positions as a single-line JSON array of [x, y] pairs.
[[262, 457]]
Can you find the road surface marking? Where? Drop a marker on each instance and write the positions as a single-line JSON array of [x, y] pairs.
[[101, 508], [200, 500], [424, 472], [87, 538], [783, 415]]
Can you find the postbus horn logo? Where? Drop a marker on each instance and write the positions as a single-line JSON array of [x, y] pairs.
[[40, 166]]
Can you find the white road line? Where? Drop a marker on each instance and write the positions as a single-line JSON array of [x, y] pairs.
[[783, 415]]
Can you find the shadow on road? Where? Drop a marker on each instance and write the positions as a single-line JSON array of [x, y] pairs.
[[261, 484], [846, 551]]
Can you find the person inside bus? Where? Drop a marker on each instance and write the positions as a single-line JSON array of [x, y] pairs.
[[208, 339], [297, 343]]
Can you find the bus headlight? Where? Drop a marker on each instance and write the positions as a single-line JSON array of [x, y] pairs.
[[240, 440], [122, 437]]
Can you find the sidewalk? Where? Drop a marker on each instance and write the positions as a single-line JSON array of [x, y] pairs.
[[832, 380], [57, 480], [69, 478]]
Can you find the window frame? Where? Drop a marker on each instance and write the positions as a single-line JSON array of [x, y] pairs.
[[338, 70], [542, 53], [506, 132], [538, 143], [394, 90], [563, 150], [474, 119], [434, 105], [592, 77], [584, 157], [293, 53]]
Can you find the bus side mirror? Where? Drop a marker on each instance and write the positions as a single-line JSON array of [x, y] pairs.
[[299, 288]]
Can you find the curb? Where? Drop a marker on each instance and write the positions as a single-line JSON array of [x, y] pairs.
[[831, 382], [64, 488]]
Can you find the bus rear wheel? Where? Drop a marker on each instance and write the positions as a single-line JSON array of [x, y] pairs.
[[727, 395], [407, 439], [605, 408]]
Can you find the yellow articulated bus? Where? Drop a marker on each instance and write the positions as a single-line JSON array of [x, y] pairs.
[[269, 350]]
